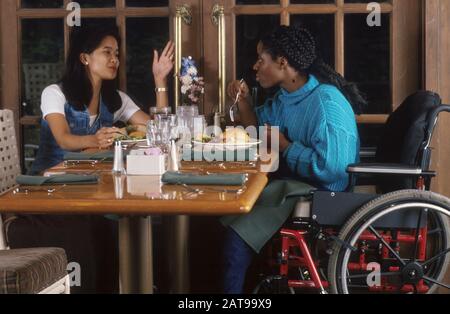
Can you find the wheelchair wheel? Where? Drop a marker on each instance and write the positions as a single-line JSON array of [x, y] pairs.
[[372, 256]]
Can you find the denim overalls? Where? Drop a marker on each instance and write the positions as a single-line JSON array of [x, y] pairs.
[[50, 154]]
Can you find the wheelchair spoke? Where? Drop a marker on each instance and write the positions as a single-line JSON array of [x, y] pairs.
[[381, 275], [416, 242], [431, 260], [436, 282], [387, 245]]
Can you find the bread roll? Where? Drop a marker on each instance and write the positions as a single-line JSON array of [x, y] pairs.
[[235, 136]]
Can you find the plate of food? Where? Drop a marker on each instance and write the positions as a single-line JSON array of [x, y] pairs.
[[132, 134], [230, 139]]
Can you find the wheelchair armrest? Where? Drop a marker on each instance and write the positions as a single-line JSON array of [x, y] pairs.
[[388, 169]]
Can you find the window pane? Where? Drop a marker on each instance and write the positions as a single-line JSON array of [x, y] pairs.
[[42, 3], [96, 3], [42, 59], [143, 36], [322, 28], [148, 3], [31, 138], [92, 22], [367, 60], [249, 30], [42, 65]]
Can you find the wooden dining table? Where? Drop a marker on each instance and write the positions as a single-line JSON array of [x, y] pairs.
[[134, 199]]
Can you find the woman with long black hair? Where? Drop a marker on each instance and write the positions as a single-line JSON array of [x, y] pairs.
[[317, 137], [79, 113]]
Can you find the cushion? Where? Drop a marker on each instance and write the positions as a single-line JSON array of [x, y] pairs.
[[29, 271]]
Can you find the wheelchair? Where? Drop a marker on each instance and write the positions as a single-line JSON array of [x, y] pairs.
[[394, 241]]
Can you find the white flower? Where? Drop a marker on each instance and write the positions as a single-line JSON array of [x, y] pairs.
[[184, 89], [186, 80], [192, 71]]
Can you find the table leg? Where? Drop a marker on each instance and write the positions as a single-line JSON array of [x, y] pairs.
[[178, 254], [135, 255]]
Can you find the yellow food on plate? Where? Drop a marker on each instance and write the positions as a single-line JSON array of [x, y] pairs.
[[131, 132], [137, 134], [235, 136]]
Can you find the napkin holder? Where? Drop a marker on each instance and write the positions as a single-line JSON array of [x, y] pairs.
[[141, 164]]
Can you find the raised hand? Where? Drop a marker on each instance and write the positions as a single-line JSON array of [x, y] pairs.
[[163, 64]]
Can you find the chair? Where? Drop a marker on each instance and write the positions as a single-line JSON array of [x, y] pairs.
[[403, 152], [33, 270], [333, 238]]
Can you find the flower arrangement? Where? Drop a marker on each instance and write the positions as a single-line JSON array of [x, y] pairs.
[[192, 85]]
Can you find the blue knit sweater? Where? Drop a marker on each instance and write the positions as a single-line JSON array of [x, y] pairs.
[[320, 123]]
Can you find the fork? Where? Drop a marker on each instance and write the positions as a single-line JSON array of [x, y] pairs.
[[27, 190], [237, 191], [235, 102], [191, 189]]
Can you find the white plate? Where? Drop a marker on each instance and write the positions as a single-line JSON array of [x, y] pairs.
[[228, 146]]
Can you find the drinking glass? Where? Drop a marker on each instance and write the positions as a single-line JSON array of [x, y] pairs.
[[164, 131], [152, 133], [199, 127]]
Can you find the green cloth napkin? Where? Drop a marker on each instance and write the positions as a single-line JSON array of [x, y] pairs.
[[272, 209], [106, 155], [171, 177], [221, 155], [57, 179]]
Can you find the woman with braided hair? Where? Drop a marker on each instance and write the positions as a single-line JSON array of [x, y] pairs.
[[317, 135]]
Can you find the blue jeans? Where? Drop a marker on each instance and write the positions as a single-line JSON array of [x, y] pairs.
[[237, 258]]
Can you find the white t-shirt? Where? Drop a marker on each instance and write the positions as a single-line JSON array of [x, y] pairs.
[[53, 101]]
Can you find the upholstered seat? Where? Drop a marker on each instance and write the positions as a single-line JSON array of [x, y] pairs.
[[30, 271]]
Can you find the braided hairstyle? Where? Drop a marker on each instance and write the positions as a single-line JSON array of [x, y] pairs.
[[298, 46]]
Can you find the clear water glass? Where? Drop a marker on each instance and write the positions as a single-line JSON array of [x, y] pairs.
[[164, 131], [152, 133], [199, 126]]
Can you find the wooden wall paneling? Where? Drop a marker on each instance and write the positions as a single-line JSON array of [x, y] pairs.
[[405, 52], [437, 79], [10, 69], [436, 21]]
